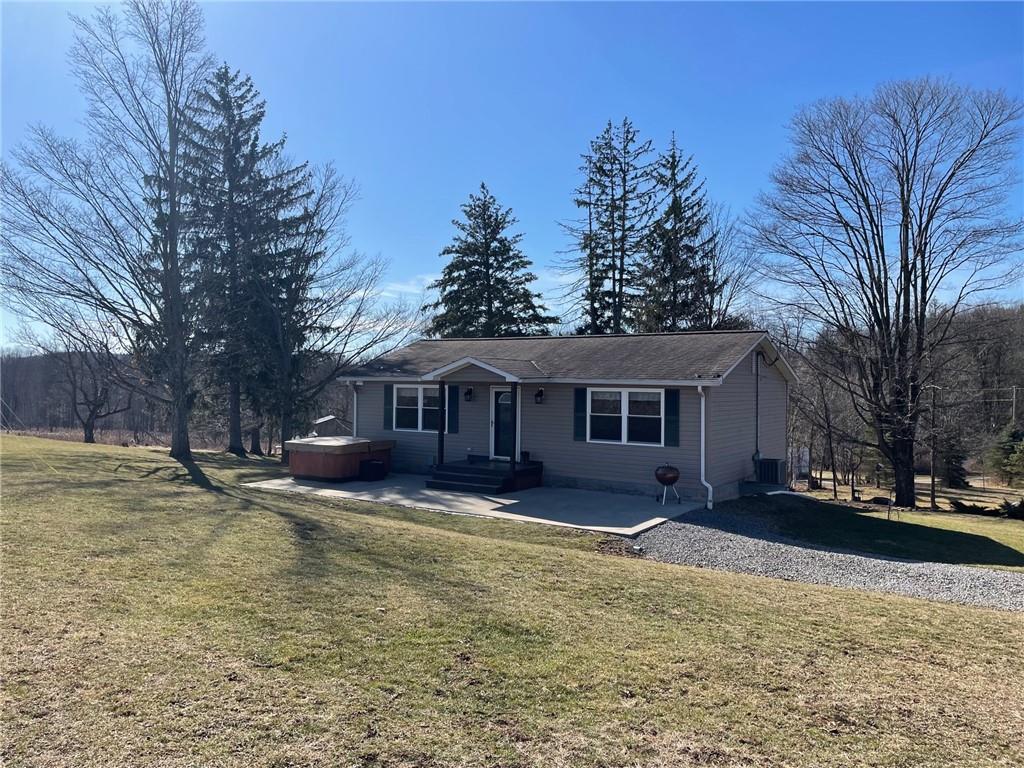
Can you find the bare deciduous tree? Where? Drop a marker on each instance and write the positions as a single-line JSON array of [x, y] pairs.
[[100, 225], [727, 271], [886, 221], [93, 375]]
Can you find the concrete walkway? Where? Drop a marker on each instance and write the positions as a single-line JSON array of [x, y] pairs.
[[622, 514]]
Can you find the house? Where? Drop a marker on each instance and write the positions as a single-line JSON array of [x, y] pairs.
[[595, 412]]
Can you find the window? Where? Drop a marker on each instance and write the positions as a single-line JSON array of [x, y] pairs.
[[407, 408], [625, 416], [417, 408]]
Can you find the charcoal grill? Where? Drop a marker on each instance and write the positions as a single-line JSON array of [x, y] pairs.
[[668, 476]]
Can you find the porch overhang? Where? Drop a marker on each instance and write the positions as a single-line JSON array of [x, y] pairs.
[[465, 362]]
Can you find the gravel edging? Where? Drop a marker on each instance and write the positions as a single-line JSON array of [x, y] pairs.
[[746, 543]]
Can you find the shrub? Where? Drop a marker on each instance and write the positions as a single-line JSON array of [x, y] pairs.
[[965, 508], [1013, 509]]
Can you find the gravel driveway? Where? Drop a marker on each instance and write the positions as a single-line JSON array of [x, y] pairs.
[[746, 543]]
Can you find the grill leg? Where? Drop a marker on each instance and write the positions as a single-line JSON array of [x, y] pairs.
[[664, 494]]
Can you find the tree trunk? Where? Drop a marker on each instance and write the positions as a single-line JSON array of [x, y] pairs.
[[286, 430], [89, 430], [180, 448], [254, 441], [832, 460], [235, 419], [903, 472]]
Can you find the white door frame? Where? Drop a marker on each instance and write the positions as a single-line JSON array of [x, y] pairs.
[[519, 421]]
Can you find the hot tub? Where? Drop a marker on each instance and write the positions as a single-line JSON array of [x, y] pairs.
[[335, 458]]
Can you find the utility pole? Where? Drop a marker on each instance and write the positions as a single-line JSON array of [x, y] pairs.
[[1013, 405]]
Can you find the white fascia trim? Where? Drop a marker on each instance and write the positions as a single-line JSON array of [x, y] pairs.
[[709, 382], [466, 361]]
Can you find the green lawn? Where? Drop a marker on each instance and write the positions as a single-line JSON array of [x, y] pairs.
[[155, 614]]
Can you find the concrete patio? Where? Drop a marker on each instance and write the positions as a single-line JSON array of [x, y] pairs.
[[622, 514]]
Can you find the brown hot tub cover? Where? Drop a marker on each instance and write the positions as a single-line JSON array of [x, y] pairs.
[[335, 458]]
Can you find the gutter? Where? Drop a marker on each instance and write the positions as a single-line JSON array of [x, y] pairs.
[[703, 450]]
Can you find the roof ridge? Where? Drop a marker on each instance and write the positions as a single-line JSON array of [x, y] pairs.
[[597, 335]]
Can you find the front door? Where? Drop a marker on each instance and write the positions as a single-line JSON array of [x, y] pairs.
[[501, 424]]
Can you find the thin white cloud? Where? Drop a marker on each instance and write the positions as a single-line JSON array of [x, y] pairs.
[[412, 288]]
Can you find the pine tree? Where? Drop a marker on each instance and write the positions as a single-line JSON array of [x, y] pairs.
[[485, 287], [226, 203], [624, 158], [592, 259], [1000, 455], [671, 280], [617, 198], [1013, 466], [287, 289]]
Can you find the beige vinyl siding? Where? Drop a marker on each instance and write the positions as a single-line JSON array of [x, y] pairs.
[[547, 433], [731, 438], [417, 451], [473, 374], [774, 405]]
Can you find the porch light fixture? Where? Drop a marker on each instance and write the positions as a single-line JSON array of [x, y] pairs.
[[469, 394], [538, 396]]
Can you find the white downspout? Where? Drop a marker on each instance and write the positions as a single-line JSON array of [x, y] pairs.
[[355, 410], [703, 450]]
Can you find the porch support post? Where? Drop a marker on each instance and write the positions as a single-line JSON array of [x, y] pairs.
[[515, 431], [442, 421]]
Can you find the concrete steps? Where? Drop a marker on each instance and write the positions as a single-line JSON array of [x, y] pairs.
[[486, 477]]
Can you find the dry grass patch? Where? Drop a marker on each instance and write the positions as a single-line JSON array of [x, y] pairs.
[[155, 614]]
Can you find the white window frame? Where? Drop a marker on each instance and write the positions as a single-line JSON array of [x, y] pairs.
[[419, 408], [624, 400]]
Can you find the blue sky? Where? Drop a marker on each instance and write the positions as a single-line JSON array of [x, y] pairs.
[[419, 103]]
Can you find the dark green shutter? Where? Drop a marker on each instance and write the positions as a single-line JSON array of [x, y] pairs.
[[579, 414], [672, 417], [389, 406], [453, 409]]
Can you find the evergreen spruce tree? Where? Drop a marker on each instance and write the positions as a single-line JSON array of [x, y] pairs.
[[485, 287], [286, 289], [670, 281], [227, 190], [999, 456], [617, 199], [591, 262], [624, 160]]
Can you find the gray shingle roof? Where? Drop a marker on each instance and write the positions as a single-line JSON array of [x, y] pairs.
[[688, 356]]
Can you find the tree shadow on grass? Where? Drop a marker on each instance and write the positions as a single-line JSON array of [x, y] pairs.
[[200, 478], [835, 527]]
